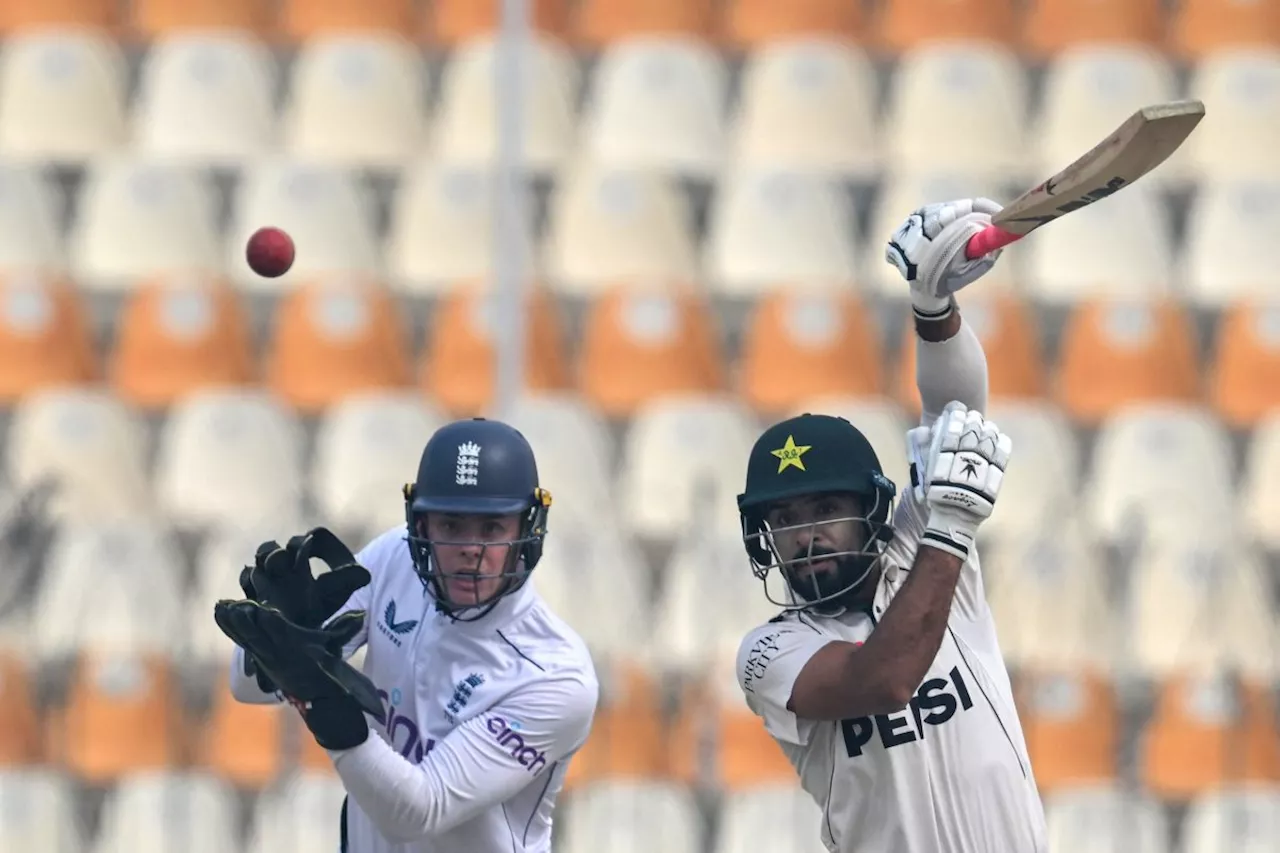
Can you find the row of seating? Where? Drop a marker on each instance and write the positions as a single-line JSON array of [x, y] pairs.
[[1042, 26]]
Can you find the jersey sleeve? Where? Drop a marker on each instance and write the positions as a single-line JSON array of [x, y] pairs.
[[769, 661], [483, 762], [954, 369]]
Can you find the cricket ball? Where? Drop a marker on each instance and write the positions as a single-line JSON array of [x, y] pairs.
[[269, 252]]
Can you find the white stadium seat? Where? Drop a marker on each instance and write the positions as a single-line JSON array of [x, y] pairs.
[[882, 421], [1228, 222], [772, 228], [302, 814], [467, 128], [609, 225], [1242, 820], [972, 96], [807, 105], [683, 464], [229, 457], [89, 444], [62, 95], [574, 450], [1042, 487], [206, 99], [39, 811], [356, 101], [140, 218], [367, 448], [29, 236], [630, 817], [325, 211], [776, 818], [1103, 819], [1240, 133], [1259, 503], [658, 103], [163, 812]]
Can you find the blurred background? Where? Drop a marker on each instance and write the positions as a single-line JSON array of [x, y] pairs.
[[641, 230]]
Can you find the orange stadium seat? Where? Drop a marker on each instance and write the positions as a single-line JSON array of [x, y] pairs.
[[153, 18], [176, 336], [451, 22], [724, 745], [1053, 25], [627, 738], [1244, 379], [804, 345], [19, 729], [1207, 732], [459, 363], [907, 23], [19, 14], [333, 338], [751, 23], [1072, 726], [307, 19], [1201, 27], [600, 22], [242, 743], [1115, 353], [121, 717], [44, 336], [643, 344]]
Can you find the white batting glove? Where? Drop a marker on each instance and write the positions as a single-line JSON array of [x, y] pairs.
[[928, 250], [957, 466]]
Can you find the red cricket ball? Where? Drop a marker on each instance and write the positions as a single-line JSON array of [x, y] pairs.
[[270, 252]]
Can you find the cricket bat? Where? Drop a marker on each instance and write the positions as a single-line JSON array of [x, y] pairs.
[[1144, 141]]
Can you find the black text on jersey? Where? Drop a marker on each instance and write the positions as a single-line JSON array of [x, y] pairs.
[[933, 704]]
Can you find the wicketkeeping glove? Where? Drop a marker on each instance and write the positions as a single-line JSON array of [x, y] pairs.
[[928, 250], [957, 467]]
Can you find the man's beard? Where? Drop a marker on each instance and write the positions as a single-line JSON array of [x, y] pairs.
[[827, 584]]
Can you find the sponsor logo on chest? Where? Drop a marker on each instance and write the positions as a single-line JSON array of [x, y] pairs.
[[936, 703]]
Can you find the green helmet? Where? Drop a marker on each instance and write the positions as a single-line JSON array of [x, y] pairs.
[[811, 455]]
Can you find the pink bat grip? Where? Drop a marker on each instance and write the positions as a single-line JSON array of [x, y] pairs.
[[988, 240]]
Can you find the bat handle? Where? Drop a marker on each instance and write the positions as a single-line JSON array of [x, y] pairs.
[[988, 240]]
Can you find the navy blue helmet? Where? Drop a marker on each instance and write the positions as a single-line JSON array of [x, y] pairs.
[[477, 467]]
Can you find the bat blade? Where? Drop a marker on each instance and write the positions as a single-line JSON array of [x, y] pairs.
[[1143, 142]]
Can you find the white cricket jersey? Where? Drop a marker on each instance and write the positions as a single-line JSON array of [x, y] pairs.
[[949, 773], [482, 717]]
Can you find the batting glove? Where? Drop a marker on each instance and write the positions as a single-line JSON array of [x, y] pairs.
[[928, 250], [957, 467]]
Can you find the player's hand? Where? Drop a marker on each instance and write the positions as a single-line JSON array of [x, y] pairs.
[[929, 250], [957, 468]]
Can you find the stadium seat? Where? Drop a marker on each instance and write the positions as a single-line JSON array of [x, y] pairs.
[[62, 96], [87, 445], [45, 340], [121, 717], [332, 338], [40, 811], [367, 448], [631, 817], [882, 421], [802, 345], [1229, 220], [1130, 254], [307, 20], [718, 743], [1237, 819], [600, 23], [139, 219], [1240, 138], [301, 814], [20, 735], [60, 14], [1115, 353], [240, 743], [451, 23], [156, 811], [1055, 26], [760, 24], [906, 24], [459, 365], [1155, 467], [627, 738], [770, 228], [780, 818], [323, 209], [111, 589], [938, 88], [1105, 819], [1259, 494], [642, 344], [1244, 378], [160, 19], [229, 457], [29, 233], [205, 98], [355, 101], [575, 452], [1204, 27], [176, 335], [466, 124], [1207, 732], [643, 84], [608, 226], [1072, 726]]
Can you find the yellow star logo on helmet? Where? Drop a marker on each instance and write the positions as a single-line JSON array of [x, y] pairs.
[[789, 455]]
